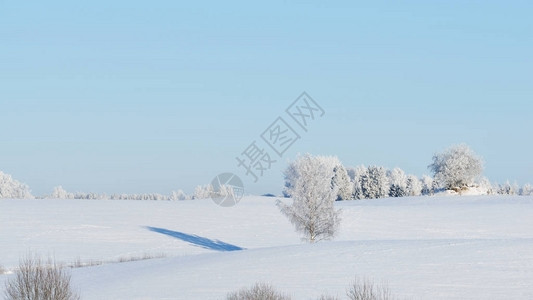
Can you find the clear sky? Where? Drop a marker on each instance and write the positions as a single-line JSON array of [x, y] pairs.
[[155, 96]]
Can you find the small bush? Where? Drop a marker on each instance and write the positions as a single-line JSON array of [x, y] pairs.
[[145, 256], [2, 270], [260, 291], [36, 280], [364, 289]]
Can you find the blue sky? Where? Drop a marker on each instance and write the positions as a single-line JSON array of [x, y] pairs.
[[139, 97]]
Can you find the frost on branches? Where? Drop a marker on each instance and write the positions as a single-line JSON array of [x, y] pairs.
[[342, 181], [313, 194], [456, 168], [11, 188], [374, 183], [414, 186], [356, 174], [398, 183]]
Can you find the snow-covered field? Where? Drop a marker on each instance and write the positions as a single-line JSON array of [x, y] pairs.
[[470, 247]]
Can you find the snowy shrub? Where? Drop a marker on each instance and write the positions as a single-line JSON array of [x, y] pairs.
[[207, 191], [526, 190], [36, 280], [398, 183], [2, 270], [456, 168], [342, 181], [11, 188], [312, 210], [374, 183], [260, 291], [90, 196], [60, 193], [507, 188], [414, 186], [128, 196], [364, 289]]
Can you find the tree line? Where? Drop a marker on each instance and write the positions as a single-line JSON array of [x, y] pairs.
[[456, 169], [314, 183]]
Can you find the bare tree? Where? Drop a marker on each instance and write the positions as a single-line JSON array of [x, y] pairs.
[[327, 297], [260, 291], [364, 289], [312, 211], [36, 280]]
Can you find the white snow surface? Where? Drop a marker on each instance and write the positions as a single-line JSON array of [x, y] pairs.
[[462, 247]]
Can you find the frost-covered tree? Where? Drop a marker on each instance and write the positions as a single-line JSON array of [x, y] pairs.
[[356, 175], [203, 191], [456, 168], [340, 178], [507, 188], [374, 183], [526, 190], [427, 186], [179, 195], [11, 188], [414, 186], [342, 181], [290, 177], [398, 182], [60, 193], [485, 185], [312, 211]]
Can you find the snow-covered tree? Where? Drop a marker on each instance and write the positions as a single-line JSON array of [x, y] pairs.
[[428, 188], [507, 188], [398, 183], [340, 178], [203, 191], [11, 188], [485, 185], [374, 183], [355, 175], [456, 168], [179, 195], [414, 186], [342, 181], [60, 193], [526, 190], [312, 211], [290, 177]]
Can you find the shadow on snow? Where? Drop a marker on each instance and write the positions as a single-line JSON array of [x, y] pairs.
[[197, 240]]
